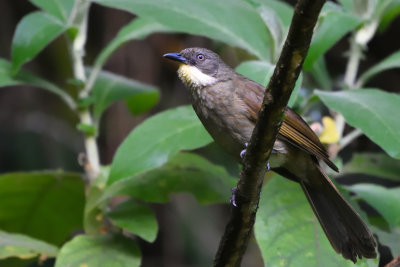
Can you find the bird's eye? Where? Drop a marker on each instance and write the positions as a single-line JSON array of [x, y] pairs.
[[201, 57]]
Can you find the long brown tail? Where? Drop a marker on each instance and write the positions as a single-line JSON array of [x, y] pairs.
[[344, 228]]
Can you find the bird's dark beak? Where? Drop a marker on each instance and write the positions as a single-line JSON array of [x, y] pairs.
[[176, 57]]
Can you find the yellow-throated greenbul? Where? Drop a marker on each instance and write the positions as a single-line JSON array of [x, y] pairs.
[[228, 103]]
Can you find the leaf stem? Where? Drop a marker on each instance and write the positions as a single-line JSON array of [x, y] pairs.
[[353, 63], [350, 137], [78, 19], [350, 75]]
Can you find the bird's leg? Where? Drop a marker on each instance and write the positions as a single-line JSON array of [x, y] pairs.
[[243, 152], [233, 197], [234, 189], [272, 152]]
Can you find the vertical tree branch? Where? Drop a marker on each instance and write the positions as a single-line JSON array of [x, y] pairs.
[[237, 232], [78, 19]]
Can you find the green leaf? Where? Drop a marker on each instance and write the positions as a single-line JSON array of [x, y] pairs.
[[333, 25], [110, 87], [44, 205], [185, 172], [139, 28], [94, 212], [87, 129], [390, 13], [377, 164], [276, 30], [104, 250], [282, 9], [287, 231], [320, 73], [60, 9], [27, 78], [385, 200], [234, 22], [390, 62], [380, 7], [277, 16], [390, 239], [370, 110], [136, 218], [159, 138], [24, 247], [261, 72], [34, 32], [258, 71], [347, 4]]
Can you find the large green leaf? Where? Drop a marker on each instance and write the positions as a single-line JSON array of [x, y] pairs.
[[94, 214], [277, 16], [110, 87], [390, 13], [276, 30], [24, 247], [137, 218], [385, 200], [104, 250], [34, 32], [152, 143], [390, 239], [332, 26], [44, 205], [234, 22], [287, 231], [261, 72], [390, 62], [321, 75], [25, 77], [282, 9], [371, 111], [60, 9], [258, 71], [347, 5], [185, 172], [377, 164]]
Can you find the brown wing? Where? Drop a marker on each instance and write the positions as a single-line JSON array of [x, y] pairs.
[[294, 129]]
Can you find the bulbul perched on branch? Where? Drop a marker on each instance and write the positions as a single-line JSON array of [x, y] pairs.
[[228, 103]]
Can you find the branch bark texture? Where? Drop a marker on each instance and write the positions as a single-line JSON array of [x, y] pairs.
[[237, 232]]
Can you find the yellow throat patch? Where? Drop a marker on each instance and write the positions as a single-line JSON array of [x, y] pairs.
[[193, 77]]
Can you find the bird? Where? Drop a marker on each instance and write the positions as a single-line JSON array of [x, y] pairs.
[[227, 103]]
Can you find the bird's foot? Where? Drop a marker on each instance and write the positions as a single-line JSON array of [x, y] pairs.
[[243, 152], [233, 197]]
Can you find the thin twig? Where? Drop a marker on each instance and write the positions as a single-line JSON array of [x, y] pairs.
[[350, 76], [353, 63], [237, 232], [350, 138], [79, 18]]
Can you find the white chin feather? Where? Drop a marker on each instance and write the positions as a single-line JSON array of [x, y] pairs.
[[193, 77]]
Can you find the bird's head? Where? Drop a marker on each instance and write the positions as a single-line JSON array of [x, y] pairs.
[[199, 66]]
